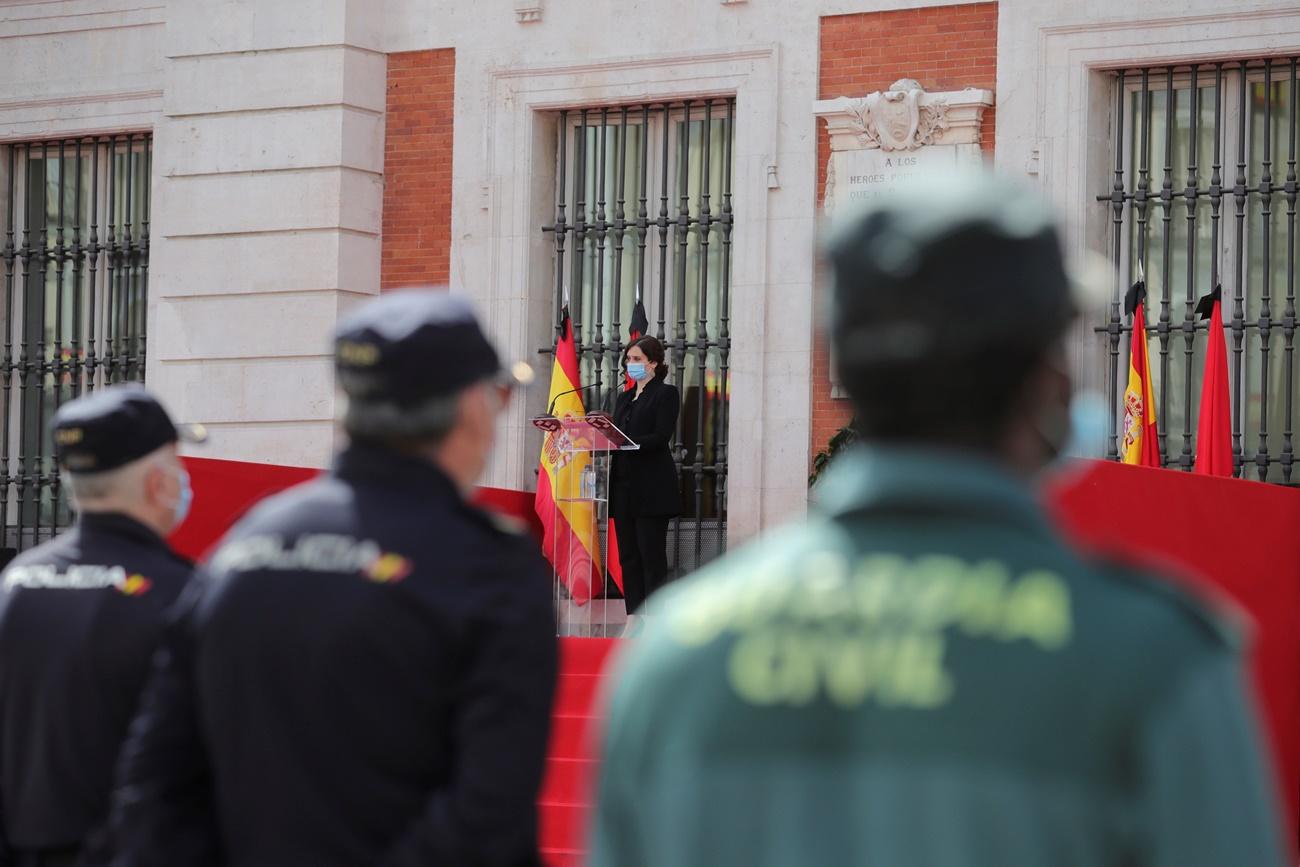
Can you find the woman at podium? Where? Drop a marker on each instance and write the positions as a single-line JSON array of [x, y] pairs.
[[643, 488]]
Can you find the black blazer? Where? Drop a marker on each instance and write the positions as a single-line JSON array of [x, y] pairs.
[[643, 483]]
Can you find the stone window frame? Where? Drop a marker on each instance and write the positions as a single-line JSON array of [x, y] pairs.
[[1068, 145], [516, 189]]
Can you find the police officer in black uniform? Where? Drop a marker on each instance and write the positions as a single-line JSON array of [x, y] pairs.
[[80, 617], [367, 679]]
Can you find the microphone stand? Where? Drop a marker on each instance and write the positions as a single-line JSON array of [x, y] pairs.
[[550, 410]]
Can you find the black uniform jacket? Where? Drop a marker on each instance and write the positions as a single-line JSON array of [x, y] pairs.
[[643, 483], [365, 679], [80, 618]]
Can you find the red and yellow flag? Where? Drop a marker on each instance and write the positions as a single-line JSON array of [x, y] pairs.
[[1214, 427], [1141, 444], [569, 541]]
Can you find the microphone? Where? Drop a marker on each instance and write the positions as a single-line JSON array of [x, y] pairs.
[[551, 409]]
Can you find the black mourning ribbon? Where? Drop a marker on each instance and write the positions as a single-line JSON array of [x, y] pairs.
[[1135, 296], [1205, 307]]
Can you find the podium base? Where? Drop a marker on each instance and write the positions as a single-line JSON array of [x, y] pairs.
[[599, 618]]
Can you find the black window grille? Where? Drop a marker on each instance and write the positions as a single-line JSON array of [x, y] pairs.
[[1204, 193], [643, 212], [76, 273]]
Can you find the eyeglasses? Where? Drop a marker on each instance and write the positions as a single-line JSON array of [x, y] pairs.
[[519, 374]]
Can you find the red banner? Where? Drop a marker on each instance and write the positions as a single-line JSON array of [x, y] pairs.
[[1235, 537]]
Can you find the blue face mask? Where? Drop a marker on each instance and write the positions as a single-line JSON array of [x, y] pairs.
[[183, 500], [1084, 434], [637, 370], [1088, 423]]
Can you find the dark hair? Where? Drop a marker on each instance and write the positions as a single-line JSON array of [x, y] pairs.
[[653, 350]]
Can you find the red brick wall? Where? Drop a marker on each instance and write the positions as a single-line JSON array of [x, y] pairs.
[[417, 168], [942, 47]]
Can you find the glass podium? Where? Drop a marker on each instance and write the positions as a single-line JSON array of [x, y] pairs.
[[578, 448]]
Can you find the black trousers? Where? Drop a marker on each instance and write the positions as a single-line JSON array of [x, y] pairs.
[[643, 555]]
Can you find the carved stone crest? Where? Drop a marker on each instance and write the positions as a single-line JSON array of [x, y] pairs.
[[898, 119], [528, 11]]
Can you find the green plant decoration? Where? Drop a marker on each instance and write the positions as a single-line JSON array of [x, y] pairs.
[[843, 438]]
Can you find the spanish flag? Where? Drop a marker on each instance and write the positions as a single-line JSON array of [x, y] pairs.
[[1141, 445], [1214, 427], [569, 541]]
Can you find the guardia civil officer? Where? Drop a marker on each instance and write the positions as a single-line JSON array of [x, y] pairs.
[[80, 617], [367, 679], [925, 674]]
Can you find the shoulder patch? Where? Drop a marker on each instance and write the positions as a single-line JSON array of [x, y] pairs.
[[76, 576], [312, 552], [1211, 609]]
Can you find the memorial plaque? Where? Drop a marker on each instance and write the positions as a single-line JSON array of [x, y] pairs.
[[858, 176]]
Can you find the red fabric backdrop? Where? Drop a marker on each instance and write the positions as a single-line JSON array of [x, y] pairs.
[[1234, 538], [224, 491]]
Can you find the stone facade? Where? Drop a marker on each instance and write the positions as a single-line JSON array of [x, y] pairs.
[[293, 170]]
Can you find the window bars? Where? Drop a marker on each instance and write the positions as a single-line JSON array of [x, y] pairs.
[[1204, 193], [643, 212], [75, 282]]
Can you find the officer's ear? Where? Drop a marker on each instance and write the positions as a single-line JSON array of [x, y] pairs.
[[1039, 428], [160, 484], [465, 411], [155, 484], [484, 398], [1057, 380]]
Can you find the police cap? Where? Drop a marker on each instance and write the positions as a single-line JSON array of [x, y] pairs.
[[411, 347], [113, 427], [945, 269]]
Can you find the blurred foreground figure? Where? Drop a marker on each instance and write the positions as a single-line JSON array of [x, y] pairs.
[[80, 618], [925, 675], [367, 677]]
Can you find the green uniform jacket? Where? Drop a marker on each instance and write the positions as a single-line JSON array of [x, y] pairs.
[[929, 677]]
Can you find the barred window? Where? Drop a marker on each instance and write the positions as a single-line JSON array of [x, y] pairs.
[[76, 268], [643, 211], [1203, 194]]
